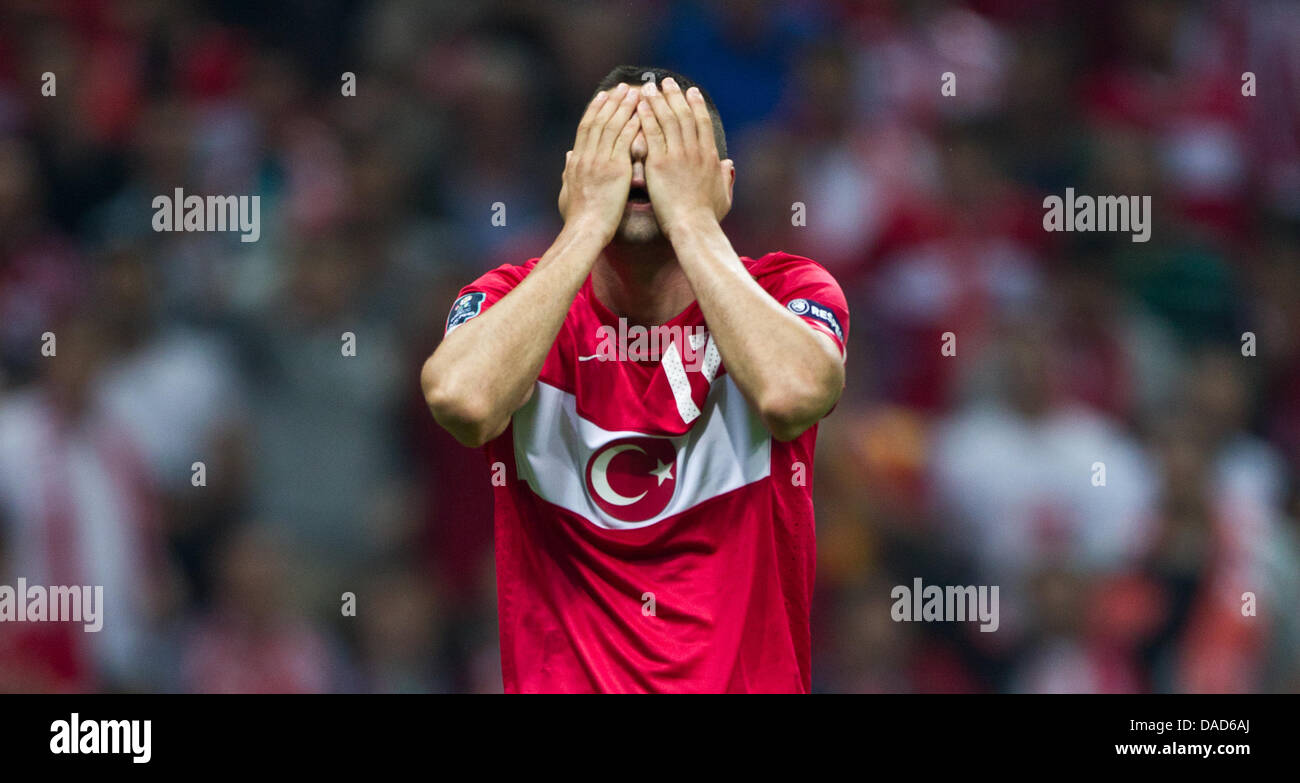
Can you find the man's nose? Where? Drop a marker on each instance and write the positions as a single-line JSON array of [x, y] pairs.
[[639, 147]]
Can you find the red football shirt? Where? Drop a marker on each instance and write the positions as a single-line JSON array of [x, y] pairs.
[[651, 534]]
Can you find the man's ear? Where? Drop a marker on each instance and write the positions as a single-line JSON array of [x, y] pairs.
[[729, 171]]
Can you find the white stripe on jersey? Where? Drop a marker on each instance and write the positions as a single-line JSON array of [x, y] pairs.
[[726, 449]]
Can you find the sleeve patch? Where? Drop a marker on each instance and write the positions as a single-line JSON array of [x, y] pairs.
[[465, 308], [807, 308]]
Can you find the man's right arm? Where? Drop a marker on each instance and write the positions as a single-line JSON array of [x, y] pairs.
[[484, 370]]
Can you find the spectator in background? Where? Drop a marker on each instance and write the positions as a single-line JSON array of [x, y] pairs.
[[326, 457], [81, 508], [177, 390], [1219, 537], [401, 632], [253, 639], [1017, 472], [41, 273]]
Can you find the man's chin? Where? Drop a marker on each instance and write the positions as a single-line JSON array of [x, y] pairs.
[[638, 228]]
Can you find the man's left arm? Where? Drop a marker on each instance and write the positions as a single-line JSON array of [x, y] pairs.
[[791, 374]]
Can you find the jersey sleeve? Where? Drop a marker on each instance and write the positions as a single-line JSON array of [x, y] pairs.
[[806, 289], [475, 298]]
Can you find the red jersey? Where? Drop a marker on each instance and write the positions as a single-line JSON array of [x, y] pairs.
[[651, 535]]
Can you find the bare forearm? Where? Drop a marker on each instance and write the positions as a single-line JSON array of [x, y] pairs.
[[790, 373], [485, 370]]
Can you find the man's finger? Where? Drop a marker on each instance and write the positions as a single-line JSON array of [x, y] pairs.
[[703, 122], [682, 110], [588, 117], [618, 121], [625, 138], [654, 134], [672, 134], [602, 119]]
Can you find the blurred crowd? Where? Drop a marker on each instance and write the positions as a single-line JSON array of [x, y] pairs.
[[268, 512]]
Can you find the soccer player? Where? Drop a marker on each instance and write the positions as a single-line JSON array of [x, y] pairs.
[[655, 527]]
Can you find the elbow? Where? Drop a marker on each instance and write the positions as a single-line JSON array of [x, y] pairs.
[[789, 411], [457, 409], [786, 428], [787, 416]]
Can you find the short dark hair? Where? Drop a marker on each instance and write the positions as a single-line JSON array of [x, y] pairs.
[[635, 74]]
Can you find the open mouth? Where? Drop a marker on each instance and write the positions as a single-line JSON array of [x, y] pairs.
[[637, 194]]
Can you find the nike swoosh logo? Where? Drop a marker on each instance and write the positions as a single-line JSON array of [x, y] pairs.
[[588, 358]]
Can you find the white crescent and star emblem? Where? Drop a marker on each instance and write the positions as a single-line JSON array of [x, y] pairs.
[[600, 481], [642, 469]]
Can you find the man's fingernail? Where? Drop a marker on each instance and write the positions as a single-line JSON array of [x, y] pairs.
[[694, 92], [649, 88], [670, 82]]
